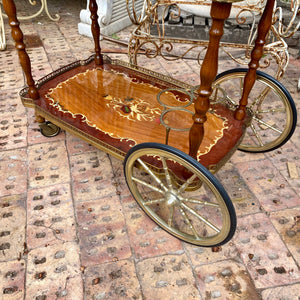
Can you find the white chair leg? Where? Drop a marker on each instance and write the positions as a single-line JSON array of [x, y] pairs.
[[2, 32]]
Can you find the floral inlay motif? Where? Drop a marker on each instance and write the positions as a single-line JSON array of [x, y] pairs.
[[133, 109]]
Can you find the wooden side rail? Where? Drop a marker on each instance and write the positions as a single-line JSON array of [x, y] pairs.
[[219, 13], [264, 26]]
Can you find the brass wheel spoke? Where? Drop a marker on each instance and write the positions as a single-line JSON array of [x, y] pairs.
[[193, 212], [152, 174], [167, 174], [147, 185], [257, 135], [255, 102], [241, 86], [196, 201], [270, 111], [186, 184], [230, 99], [220, 95], [170, 219], [215, 96], [155, 201], [267, 125], [189, 223], [259, 100]]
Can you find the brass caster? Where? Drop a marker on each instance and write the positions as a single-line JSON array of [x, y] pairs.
[[48, 129]]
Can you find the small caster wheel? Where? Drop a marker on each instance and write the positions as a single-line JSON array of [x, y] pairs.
[[48, 129]]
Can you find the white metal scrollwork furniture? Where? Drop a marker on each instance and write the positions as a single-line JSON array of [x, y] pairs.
[[112, 14], [245, 12], [44, 7], [2, 32]]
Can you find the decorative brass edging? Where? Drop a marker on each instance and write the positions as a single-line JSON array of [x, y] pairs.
[[107, 60], [81, 134]]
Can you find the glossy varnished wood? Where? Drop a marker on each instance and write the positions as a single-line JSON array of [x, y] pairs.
[[96, 31], [90, 99], [127, 109]]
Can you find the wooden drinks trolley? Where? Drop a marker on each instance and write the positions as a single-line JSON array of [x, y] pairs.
[[171, 136]]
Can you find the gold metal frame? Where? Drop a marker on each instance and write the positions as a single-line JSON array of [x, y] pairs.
[[156, 77]]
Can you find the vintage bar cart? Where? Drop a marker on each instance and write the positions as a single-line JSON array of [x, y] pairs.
[[172, 136]]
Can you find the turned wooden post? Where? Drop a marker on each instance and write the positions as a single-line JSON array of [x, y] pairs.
[[16, 32], [263, 28], [96, 31], [219, 13]]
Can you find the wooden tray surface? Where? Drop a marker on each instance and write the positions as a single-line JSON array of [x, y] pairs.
[[118, 106]]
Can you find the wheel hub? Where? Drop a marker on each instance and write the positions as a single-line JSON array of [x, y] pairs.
[[172, 199]]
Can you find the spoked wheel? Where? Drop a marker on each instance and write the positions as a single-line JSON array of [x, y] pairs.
[[204, 217], [273, 109]]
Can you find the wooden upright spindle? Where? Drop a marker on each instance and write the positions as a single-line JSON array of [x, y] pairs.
[[264, 26], [96, 31], [16, 32], [219, 13]]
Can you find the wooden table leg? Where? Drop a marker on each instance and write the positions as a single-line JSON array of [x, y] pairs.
[[96, 31], [17, 34], [10, 10], [219, 13], [256, 54]]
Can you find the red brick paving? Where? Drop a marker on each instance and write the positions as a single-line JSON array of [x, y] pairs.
[[69, 228]]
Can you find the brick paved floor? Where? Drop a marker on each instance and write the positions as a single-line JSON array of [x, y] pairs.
[[69, 228]]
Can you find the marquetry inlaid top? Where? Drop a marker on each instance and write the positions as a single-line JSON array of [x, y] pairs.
[[126, 109]]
